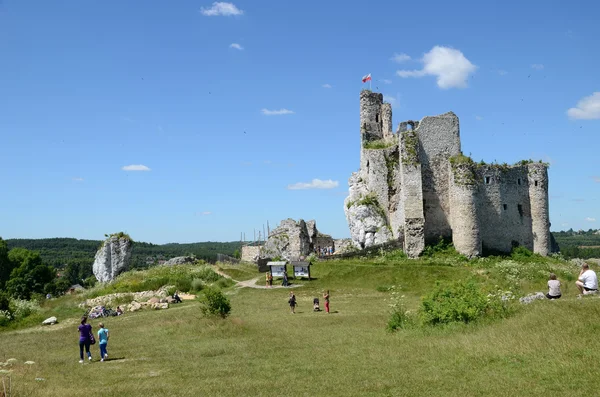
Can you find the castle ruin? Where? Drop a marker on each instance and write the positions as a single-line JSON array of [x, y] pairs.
[[416, 186]]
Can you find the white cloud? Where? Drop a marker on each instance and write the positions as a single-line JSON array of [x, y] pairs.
[[279, 112], [587, 108], [221, 9], [537, 66], [590, 219], [315, 184], [399, 58], [478, 118], [326, 86], [450, 67], [206, 213], [596, 179], [236, 46], [386, 81], [135, 167], [502, 72], [78, 179]]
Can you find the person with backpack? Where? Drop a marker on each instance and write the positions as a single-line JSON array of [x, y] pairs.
[[85, 339], [103, 341]]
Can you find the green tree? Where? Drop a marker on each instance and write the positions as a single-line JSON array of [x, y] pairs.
[[29, 274], [6, 265]]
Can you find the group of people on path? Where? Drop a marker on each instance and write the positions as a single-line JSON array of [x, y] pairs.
[[587, 283], [269, 280], [293, 302], [86, 339]]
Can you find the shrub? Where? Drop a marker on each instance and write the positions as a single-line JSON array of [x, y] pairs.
[[197, 285], [459, 302], [4, 301], [23, 308], [214, 302], [183, 284], [224, 283], [399, 316]]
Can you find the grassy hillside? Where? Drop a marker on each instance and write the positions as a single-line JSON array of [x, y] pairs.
[[263, 349]]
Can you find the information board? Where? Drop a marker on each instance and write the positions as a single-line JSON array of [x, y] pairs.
[[301, 271], [278, 270]]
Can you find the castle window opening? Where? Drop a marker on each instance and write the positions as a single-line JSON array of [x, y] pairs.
[[535, 183], [377, 117], [520, 207], [519, 181], [488, 180], [505, 207]]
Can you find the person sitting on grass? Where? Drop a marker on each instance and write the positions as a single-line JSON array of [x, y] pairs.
[[177, 298], [588, 281], [553, 287]]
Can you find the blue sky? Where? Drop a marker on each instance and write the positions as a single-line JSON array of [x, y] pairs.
[[228, 106]]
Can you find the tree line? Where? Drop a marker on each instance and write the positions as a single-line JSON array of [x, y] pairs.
[[52, 265], [578, 244]]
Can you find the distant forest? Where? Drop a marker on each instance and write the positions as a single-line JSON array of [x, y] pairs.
[[578, 244], [75, 257]]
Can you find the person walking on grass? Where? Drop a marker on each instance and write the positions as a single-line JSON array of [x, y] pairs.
[[267, 279], [85, 339], [103, 341], [553, 287], [326, 298], [292, 302]]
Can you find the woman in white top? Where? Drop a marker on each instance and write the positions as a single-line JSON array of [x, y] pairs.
[[553, 287]]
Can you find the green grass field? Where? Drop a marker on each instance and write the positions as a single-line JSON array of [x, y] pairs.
[[548, 347]]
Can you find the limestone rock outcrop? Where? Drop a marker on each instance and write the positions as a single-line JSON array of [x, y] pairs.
[[180, 260], [367, 222], [112, 258], [291, 240]]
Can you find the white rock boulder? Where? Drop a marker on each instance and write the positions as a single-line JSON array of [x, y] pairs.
[[112, 258]]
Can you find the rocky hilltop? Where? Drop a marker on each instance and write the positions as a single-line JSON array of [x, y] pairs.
[[112, 258], [292, 240]]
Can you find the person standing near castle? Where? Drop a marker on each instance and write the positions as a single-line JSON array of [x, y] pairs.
[[326, 298], [587, 282]]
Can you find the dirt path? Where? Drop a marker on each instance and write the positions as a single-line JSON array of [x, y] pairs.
[[252, 282]]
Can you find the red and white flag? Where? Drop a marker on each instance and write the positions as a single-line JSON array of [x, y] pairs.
[[366, 78]]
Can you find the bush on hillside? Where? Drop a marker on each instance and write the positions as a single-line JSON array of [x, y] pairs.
[[215, 303], [461, 302], [152, 279], [399, 317]]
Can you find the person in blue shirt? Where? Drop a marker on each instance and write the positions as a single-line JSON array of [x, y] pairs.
[[103, 341]]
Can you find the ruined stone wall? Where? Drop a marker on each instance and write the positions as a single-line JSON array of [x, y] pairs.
[[250, 253], [411, 195], [386, 117], [439, 139], [538, 194], [503, 207], [371, 123], [466, 234]]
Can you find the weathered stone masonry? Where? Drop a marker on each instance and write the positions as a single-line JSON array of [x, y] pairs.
[[415, 186]]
